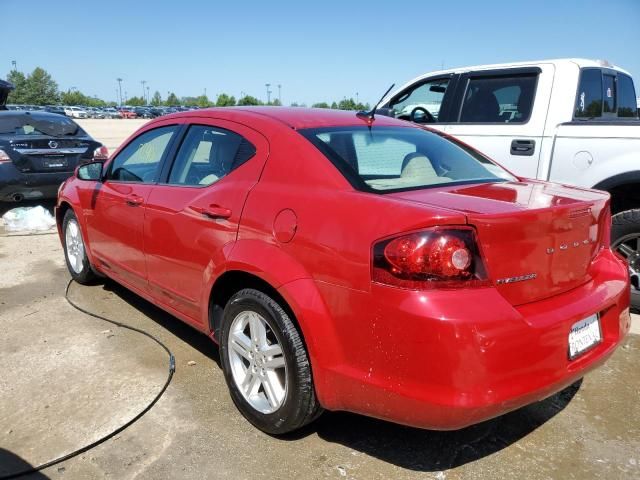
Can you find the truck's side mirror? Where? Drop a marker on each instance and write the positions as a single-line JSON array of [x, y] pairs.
[[90, 171]]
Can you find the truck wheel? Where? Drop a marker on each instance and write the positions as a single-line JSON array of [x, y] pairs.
[[625, 239]]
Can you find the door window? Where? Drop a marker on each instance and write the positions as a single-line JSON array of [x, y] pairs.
[[140, 160], [427, 96], [207, 154], [503, 99]]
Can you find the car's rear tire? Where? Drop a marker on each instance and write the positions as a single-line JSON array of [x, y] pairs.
[[75, 253], [625, 239], [266, 364]]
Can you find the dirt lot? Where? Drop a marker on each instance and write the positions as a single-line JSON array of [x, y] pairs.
[[69, 379]]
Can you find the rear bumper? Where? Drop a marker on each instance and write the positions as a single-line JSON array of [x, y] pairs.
[[28, 186], [448, 359]]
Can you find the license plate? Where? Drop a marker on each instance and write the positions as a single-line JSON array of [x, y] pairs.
[[55, 162], [584, 335]]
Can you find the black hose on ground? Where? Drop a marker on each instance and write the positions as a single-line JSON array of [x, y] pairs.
[[172, 369]]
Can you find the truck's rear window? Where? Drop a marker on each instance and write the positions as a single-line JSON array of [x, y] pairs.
[[401, 158]]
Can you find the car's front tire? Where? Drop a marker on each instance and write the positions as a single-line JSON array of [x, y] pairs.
[[75, 253], [266, 365], [625, 239]]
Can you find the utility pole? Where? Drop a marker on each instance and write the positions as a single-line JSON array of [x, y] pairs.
[[14, 64], [268, 93], [357, 98], [148, 96], [280, 94], [120, 89], [125, 96], [143, 82]]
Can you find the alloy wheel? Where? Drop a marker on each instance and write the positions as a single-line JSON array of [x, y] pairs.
[[257, 362], [75, 246]]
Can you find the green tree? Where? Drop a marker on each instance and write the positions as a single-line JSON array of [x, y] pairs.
[[276, 103], [135, 101], [225, 100], [249, 100], [39, 88], [203, 101], [172, 100], [320, 105], [347, 104], [334, 106], [74, 97], [156, 100], [17, 94]]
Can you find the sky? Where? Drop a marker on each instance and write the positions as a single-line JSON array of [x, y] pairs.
[[316, 50]]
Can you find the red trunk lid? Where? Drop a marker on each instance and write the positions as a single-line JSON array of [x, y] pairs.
[[537, 239]]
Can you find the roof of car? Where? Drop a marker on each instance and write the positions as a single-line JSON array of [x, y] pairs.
[[294, 117]]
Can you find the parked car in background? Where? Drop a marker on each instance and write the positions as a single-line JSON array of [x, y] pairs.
[[38, 151], [142, 112], [571, 121], [94, 112], [75, 112], [55, 109], [127, 113], [352, 263], [5, 89], [111, 112]]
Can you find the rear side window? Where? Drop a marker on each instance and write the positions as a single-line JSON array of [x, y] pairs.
[[140, 160], [627, 106], [207, 154], [589, 99], [503, 99]]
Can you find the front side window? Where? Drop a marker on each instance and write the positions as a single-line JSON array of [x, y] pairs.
[[627, 106], [503, 99], [422, 103], [401, 158], [140, 160], [207, 154], [589, 98]]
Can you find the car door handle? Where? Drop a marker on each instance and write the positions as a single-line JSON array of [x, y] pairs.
[[134, 200], [523, 147], [213, 211]]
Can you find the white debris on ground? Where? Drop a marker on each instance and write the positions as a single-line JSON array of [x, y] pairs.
[[28, 219]]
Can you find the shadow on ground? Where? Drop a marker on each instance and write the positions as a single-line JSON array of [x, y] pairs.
[[406, 447], [11, 464]]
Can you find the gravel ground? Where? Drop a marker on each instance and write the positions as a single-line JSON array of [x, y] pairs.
[[68, 379]]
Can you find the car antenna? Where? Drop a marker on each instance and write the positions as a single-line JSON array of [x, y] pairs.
[[370, 115]]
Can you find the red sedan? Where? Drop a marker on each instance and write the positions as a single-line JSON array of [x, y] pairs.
[[349, 263]]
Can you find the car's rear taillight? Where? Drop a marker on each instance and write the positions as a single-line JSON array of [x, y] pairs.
[[101, 153], [4, 157], [441, 257]]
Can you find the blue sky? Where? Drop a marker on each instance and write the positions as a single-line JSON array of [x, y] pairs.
[[317, 51]]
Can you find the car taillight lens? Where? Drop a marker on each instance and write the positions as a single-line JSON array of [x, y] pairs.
[[4, 157], [101, 153], [435, 258]]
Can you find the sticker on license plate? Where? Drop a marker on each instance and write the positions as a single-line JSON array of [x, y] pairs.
[[584, 335]]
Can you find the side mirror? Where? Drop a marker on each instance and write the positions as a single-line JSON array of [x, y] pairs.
[[90, 171]]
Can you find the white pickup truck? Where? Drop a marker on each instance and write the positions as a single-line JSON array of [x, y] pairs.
[[571, 121]]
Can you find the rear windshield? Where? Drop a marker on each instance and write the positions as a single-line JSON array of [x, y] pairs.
[[401, 158], [25, 123]]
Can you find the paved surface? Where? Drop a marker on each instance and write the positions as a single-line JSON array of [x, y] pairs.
[[110, 132], [68, 379]]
